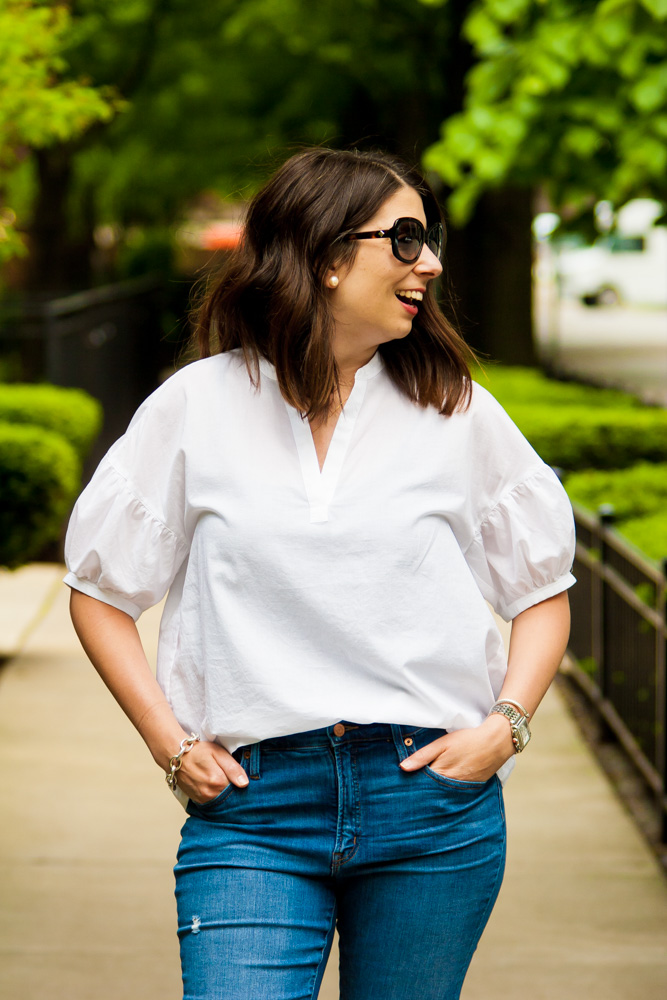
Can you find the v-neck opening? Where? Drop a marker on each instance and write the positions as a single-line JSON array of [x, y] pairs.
[[329, 442], [320, 484]]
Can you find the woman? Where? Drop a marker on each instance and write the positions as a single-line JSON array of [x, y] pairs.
[[329, 503]]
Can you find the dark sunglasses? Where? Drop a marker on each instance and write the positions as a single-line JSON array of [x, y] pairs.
[[407, 239]]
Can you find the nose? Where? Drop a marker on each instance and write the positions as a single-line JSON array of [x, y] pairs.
[[428, 263]]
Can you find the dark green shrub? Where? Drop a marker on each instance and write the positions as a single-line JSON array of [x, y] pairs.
[[578, 437], [40, 474], [69, 412], [634, 492]]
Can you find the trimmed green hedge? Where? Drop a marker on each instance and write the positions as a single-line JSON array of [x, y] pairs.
[[619, 443], [575, 437], [639, 498], [576, 426], [40, 474], [648, 533], [518, 386], [69, 412], [634, 492]]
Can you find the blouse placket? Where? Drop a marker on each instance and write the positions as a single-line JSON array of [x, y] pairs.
[[320, 485]]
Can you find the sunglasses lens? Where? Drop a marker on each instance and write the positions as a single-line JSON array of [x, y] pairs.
[[435, 240], [409, 240]]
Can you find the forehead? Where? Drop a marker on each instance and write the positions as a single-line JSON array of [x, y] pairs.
[[404, 202]]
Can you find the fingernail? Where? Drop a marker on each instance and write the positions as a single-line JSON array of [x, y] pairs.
[[407, 764], [243, 779]]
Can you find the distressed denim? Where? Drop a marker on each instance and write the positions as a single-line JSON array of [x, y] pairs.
[[331, 832]]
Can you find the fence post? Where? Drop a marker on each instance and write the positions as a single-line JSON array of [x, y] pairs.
[[606, 515], [661, 696]]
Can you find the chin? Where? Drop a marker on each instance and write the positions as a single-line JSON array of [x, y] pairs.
[[400, 334], [386, 338]]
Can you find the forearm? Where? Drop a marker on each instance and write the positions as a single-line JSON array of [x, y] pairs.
[[538, 642], [112, 643], [539, 638]]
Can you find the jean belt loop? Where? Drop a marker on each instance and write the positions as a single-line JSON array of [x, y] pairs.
[[254, 761], [401, 749]]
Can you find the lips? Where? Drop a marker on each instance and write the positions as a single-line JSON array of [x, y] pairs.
[[409, 308], [410, 299]]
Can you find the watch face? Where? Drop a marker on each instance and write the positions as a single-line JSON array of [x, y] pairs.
[[521, 732]]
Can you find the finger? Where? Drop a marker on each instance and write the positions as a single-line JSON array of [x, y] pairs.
[[231, 767], [209, 768], [424, 756]]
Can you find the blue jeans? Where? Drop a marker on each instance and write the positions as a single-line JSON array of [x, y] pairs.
[[330, 831]]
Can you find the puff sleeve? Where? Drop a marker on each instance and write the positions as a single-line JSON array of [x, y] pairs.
[[522, 546], [523, 550], [126, 539]]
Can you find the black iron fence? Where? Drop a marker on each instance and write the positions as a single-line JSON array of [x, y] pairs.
[[106, 340], [618, 641]]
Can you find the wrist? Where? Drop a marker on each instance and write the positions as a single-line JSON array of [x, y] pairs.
[[517, 717], [164, 740], [176, 760], [499, 732]]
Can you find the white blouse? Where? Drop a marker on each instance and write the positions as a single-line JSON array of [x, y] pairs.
[[298, 598]]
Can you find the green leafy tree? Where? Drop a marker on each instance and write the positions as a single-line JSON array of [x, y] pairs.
[[37, 107], [568, 94], [217, 93], [226, 87]]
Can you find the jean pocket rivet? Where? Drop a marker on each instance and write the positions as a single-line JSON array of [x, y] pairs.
[[246, 754], [408, 741]]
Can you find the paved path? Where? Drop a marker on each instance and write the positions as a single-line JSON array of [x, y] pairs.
[[89, 834]]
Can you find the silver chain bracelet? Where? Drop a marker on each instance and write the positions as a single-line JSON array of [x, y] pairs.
[[176, 761]]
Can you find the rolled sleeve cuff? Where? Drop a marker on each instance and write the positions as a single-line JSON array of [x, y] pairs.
[[106, 596], [536, 596]]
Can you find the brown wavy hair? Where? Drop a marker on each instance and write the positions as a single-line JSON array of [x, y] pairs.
[[270, 299]]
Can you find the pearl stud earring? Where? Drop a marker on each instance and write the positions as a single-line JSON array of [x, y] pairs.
[[333, 281]]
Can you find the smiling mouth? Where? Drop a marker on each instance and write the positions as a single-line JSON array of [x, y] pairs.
[[410, 298]]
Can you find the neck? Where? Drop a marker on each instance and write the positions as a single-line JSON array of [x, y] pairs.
[[350, 362]]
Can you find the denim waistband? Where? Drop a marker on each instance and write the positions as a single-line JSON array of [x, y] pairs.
[[354, 733], [336, 735]]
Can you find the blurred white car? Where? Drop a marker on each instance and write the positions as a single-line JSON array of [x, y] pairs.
[[628, 265]]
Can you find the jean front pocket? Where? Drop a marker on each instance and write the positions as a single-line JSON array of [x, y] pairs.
[[444, 779], [426, 736], [211, 804]]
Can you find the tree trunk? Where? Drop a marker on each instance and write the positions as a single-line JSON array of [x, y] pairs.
[[490, 260], [490, 265], [59, 261]]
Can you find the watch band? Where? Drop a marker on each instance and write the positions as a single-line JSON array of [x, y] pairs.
[[518, 721], [517, 704]]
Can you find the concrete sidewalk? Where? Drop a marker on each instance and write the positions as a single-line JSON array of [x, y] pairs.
[[89, 835]]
